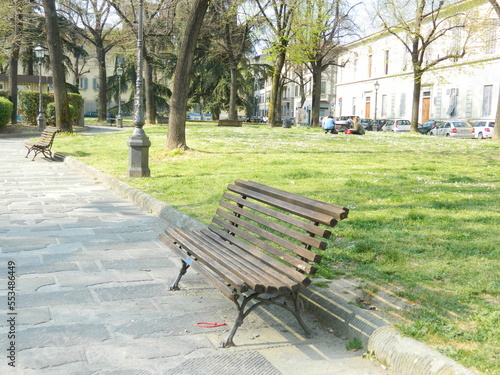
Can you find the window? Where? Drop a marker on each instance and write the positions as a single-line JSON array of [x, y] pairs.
[[402, 105], [491, 36], [323, 87], [487, 100], [452, 109], [384, 105], [370, 65], [386, 62], [83, 83], [95, 83]]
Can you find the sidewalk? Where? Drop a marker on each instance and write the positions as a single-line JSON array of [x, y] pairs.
[[91, 291]]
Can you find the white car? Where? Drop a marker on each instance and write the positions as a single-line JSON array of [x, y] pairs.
[[397, 126], [483, 128], [454, 129]]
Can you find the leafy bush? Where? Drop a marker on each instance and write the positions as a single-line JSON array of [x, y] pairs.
[[29, 102], [51, 113], [76, 107], [4, 94], [6, 108]]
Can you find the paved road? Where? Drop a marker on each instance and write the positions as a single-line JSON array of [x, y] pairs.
[[91, 292]]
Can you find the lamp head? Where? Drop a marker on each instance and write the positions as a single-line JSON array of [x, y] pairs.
[[39, 51]]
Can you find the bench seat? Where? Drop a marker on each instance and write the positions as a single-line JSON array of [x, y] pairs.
[[44, 144], [259, 246]]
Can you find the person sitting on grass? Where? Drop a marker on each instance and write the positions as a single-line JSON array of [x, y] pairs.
[[358, 127], [328, 124]]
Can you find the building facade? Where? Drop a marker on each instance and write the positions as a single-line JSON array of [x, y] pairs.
[[377, 78]]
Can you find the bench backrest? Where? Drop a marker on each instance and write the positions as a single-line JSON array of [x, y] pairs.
[[47, 136], [284, 225]]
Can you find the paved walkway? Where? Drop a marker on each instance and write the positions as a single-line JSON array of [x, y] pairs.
[[91, 292]]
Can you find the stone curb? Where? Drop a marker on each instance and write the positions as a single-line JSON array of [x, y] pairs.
[[403, 355]]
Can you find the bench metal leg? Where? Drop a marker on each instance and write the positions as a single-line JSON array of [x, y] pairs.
[[297, 310], [182, 272]]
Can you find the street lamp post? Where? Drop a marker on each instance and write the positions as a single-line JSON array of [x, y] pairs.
[[119, 120], [39, 54], [377, 86], [138, 142]]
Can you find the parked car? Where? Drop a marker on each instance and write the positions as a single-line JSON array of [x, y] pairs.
[[397, 126], [427, 126], [378, 124], [483, 128], [366, 123], [454, 129], [344, 122]]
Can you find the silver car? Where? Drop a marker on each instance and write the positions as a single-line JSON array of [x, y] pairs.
[[397, 126], [454, 129], [483, 128]]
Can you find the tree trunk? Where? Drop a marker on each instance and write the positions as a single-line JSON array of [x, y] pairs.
[[149, 91], [177, 124], [13, 71], [103, 103], [496, 129], [417, 83], [13, 63], [275, 89], [316, 92], [233, 112], [63, 119]]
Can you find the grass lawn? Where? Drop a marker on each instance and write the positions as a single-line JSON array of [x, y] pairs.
[[424, 211]]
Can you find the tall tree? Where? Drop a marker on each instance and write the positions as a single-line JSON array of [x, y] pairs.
[[231, 43], [419, 25], [177, 123], [320, 28], [278, 17], [95, 16], [63, 120], [496, 130]]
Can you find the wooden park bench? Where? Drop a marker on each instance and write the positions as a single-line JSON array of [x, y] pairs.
[[44, 143], [236, 123], [162, 120], [258, 247]]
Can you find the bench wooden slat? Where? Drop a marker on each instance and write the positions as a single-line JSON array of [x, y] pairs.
[[282, 281], [299, 278], [204, 251], [316, 217], [224, 288], [305, 225], [214, 265], [338, 212], [287, 231], [250, 271], [301, 251], [262, 245]]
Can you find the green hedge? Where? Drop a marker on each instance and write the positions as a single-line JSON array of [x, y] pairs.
[[6, 108], [29, 102], [4, 94]]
